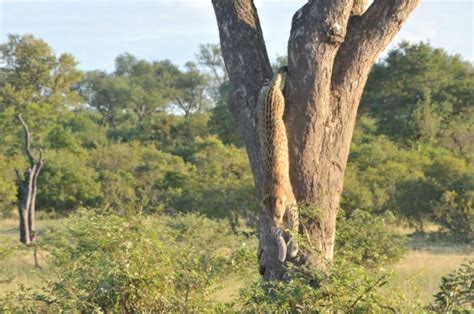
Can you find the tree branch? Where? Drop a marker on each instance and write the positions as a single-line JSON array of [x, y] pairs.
[[18, 177], [317, 31], [367, 36], [247, 64], [27, 140]]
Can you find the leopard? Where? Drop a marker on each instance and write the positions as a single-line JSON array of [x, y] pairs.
[[277, 194]]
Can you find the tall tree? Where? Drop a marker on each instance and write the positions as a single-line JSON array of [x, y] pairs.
[[210, 59], [108, 94], [36, 83], [332, 46], [189, 90]]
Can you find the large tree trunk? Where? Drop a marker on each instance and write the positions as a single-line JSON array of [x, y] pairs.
[[330, 54], [27, 188]]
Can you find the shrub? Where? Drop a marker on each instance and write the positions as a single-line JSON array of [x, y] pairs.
[[108, 263], [456, 293], [222, 186], [134, 175], [346, 288], [8, 189], [365, 240], [66, 182], [353, 284]]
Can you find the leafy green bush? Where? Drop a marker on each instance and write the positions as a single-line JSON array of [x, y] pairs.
[[62, 138], [8, 187], [222, 185], [454, 207], [108, 263], [456, 293], [353, 284], [345, 288], [85, 128], [366, 240], [455, 210], [134, 175], [66, 182]]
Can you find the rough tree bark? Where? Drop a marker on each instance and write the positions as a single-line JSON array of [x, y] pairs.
[[330, 54], [27, 188]]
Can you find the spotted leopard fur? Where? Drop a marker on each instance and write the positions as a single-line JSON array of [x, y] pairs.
[[278, 199]]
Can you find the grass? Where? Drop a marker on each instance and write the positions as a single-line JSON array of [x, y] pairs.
[[229, 288], [432, 255], [19, 268], [420, 271]]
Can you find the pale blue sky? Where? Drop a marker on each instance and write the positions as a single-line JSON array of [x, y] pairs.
[[95, 32]]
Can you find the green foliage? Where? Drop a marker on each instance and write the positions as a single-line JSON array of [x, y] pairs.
[[67, 183], [353, 284], [8, 187], [144, 140], [366, 240], [36, 84], [108, 263], [133, 175], [412, 151], [426, 183], [85, 129], [182, 133], [345, 288], [222, 185], [417, 91], [455, 211], [456, 293], [108, 95], [453, 178], [224, 125], [62, 138]]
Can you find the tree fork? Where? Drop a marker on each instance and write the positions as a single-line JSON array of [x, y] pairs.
[[330, 54], [27, 189]]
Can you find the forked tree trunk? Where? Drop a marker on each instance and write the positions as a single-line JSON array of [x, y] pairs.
[[330, 54], [27, 188]]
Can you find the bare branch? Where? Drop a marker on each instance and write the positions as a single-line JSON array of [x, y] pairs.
[[18, 177], [41, 159], [27, 140]]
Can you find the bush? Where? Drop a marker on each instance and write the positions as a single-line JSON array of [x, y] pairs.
[[353, 284], [222, 185], [134, 175], [454, 209], [346, 288], [66, 182], [107, 263], [8, 189], [456, 293], [366, 240]]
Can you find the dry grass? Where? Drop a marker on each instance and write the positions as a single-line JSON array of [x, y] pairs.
[[431, 256], [20, 267], [228, 290], [419, 272]]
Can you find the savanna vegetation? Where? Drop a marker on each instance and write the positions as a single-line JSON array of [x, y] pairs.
[[146, 201]]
